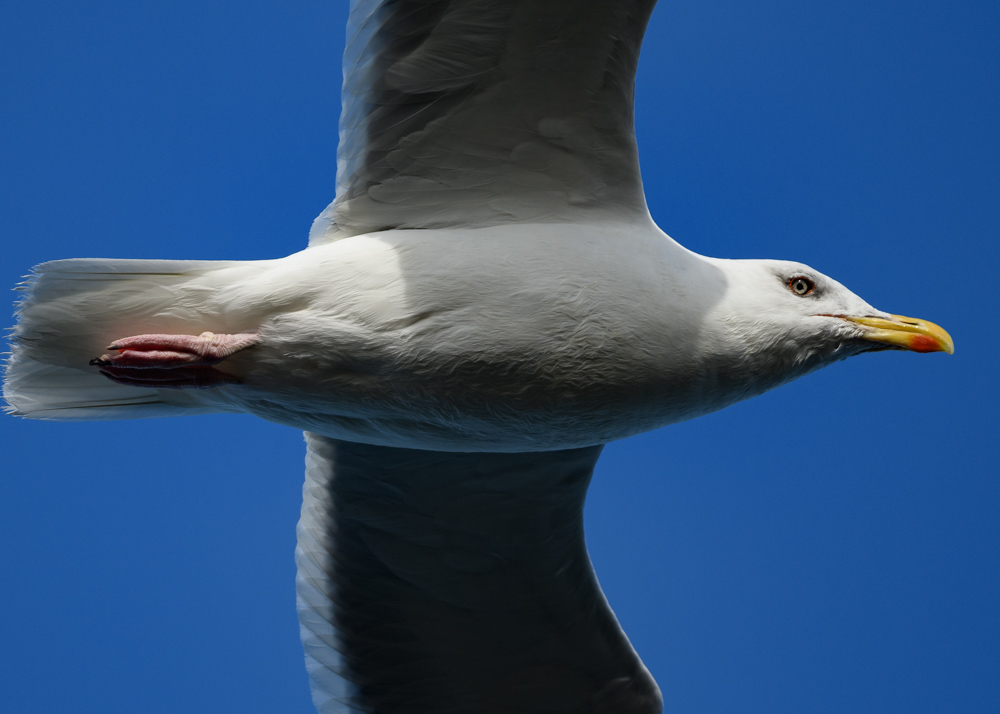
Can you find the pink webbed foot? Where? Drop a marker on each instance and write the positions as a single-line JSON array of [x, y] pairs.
[[173, 361]]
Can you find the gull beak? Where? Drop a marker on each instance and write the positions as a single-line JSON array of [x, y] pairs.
[[906, 333]]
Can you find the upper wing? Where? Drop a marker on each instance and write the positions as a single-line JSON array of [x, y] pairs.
[[478, 112], [449, 583]]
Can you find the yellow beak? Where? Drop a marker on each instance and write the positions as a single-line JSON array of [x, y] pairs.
[[906, 332]]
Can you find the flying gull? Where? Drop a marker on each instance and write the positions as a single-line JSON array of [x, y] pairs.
[[484, 304]]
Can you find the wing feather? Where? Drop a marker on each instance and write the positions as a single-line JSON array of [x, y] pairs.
[[466, 113], [450, 583]]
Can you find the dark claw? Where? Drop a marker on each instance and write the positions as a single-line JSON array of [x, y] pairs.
[[178, 378]]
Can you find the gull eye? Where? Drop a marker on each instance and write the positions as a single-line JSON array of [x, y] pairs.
[[801, 286]]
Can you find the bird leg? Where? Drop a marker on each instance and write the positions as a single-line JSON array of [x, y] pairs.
[[173, 361]]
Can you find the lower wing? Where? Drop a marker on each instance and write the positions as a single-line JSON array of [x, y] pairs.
[[457, 582]]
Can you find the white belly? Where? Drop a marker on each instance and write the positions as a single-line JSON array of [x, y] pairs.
[[507, 338]]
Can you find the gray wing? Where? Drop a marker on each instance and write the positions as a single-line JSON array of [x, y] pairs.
[[448, 583], [465, 113]]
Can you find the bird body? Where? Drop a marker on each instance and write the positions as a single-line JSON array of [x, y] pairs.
[[504, 338]]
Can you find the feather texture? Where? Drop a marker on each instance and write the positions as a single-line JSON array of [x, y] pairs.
[[482, 112], [449, 582], [71, 309]]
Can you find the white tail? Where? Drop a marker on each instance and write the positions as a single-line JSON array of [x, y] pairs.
[[72, 309]]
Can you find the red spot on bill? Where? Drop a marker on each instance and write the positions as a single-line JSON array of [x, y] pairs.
[[922, 343]]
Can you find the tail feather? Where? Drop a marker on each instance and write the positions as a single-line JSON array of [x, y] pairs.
[[72, 309]]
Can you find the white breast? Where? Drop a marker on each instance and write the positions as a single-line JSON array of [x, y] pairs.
[[551, 335]]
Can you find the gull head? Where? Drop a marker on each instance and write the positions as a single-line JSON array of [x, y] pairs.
[[780, 319]]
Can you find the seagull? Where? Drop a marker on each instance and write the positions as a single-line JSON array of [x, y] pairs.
[[484, 304]]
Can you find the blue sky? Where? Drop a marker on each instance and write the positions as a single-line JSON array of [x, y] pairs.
[[831, 546]]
